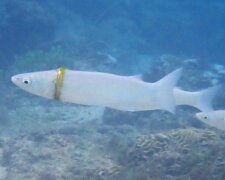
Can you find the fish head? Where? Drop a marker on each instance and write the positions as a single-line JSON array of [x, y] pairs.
[[213, 118], [208, 118], [203, 116], [39, 83]]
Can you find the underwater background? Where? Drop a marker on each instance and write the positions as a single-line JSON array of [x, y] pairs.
[[42, 139]]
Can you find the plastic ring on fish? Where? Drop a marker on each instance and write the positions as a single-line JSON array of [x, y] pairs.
[[59, 82]]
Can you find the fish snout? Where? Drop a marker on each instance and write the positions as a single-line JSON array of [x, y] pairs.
[[15, 79], [196, 116]]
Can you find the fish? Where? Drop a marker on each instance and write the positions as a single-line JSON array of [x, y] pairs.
[[125, 93], [214, 118], [201, 100]]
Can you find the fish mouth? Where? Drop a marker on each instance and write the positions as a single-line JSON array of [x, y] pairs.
[[195, 116], [15, 79]]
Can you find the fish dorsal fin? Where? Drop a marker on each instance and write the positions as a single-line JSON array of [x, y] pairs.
[[137, 77]]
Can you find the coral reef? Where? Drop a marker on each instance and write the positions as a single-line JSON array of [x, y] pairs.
[[215, 74], [151, 121], [54, 156], [179, 154], [56, 57], [68, 154]]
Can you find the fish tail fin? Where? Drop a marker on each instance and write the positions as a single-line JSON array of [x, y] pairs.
[[165, 86], [205, 97]]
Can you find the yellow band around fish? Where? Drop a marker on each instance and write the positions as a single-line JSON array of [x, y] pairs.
[[59, 82]]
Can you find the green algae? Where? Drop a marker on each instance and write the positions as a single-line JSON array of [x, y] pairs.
[[39, 59]]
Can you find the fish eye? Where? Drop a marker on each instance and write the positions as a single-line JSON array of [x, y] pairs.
[[205, 117], [27, 81]]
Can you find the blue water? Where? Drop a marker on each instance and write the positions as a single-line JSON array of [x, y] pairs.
[[44, 139]]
